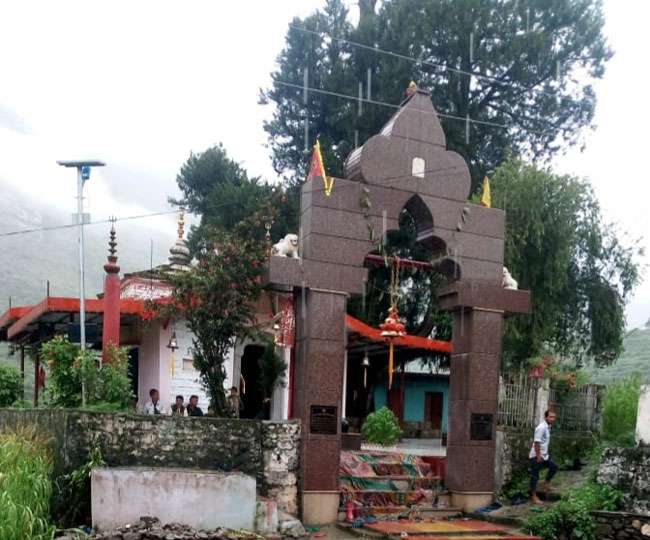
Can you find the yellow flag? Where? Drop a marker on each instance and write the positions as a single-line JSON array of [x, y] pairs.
[[317, 169], [486, 198]]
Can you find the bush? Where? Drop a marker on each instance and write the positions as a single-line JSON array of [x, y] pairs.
[[114, 384], [72, 500], [64, 381], [25, 487], [11, 385], [619, 410], [571, 517], [381, 427], [107, 387]]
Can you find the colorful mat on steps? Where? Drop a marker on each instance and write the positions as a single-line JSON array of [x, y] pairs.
[[368, 465], [385, 479]]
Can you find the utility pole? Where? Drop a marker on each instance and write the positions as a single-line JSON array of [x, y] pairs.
[[83, 174]]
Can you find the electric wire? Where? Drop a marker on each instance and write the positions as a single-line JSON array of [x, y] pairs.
[[74, 225], [422, 62], [393, 106]]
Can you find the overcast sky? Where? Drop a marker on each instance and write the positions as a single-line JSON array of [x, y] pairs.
[[141, 84]]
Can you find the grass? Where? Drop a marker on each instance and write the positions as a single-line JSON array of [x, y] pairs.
[[25, 487]]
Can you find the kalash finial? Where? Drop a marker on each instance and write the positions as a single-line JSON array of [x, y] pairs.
[[111, 266]]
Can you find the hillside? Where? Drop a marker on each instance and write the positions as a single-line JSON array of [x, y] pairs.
[[635, 358], [29, 261]]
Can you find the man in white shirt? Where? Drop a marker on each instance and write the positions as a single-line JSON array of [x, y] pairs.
[[539, 458], [153, 406]]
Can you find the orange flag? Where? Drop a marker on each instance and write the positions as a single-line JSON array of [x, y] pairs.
[[317, 170]]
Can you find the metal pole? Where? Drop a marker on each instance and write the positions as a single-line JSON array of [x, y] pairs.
[[22, 369], [82, 292]]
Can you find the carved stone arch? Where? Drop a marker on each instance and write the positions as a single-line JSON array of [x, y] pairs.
[[436, 244]]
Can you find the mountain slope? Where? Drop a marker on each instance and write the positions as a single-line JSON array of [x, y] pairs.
[[635, 358], [29, 261]]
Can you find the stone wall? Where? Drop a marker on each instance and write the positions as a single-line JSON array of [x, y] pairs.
[[628, 469], [621, 526], [510, 454], [281, 456], [267, 451]]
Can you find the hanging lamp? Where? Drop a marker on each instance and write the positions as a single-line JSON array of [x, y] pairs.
[[392, 327], [173, 347]]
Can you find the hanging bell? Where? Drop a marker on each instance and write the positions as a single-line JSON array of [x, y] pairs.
[[366, 364], [173, 342]]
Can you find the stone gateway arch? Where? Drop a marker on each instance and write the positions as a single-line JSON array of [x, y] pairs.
[[406, 165]]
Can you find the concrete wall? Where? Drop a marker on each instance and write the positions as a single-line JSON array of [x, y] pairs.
[[200, 499], [414, 398], [642, 435], [267, 451]]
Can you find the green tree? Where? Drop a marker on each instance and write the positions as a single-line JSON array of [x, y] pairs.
[[578, 270], [220, 191], [216, 297], [537, 61]]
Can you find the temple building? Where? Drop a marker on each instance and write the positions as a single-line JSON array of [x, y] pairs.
[[160, 351]]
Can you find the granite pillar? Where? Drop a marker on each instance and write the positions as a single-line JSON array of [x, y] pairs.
[[320, 342], [473, 399]]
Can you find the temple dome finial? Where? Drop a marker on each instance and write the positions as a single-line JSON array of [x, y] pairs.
[[179, 253], [111, 266]]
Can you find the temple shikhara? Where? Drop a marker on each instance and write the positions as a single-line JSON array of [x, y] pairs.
[[340, 368]]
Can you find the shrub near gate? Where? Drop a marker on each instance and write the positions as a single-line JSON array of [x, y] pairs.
[[381, 427], [571, 518]]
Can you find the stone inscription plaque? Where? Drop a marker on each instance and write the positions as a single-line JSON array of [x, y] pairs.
[[480, 427], [323, 420]]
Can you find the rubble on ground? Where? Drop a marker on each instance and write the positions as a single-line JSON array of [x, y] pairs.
[[150, 528]]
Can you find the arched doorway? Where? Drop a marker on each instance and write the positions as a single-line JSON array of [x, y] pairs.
[[250, 390], [420, 389]]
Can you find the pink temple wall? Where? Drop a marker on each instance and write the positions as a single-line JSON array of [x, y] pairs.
[[154, 363]]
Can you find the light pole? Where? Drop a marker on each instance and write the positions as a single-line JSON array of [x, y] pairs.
[[83, 174]]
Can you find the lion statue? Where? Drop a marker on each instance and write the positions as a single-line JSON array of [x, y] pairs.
[[287, 247], [508, 282]]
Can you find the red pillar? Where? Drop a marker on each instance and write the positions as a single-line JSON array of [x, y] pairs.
[[111, 327]]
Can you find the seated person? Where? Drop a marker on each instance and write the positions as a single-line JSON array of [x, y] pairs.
[[234, 402], [178, 408], [153, 406], [193, 408]]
